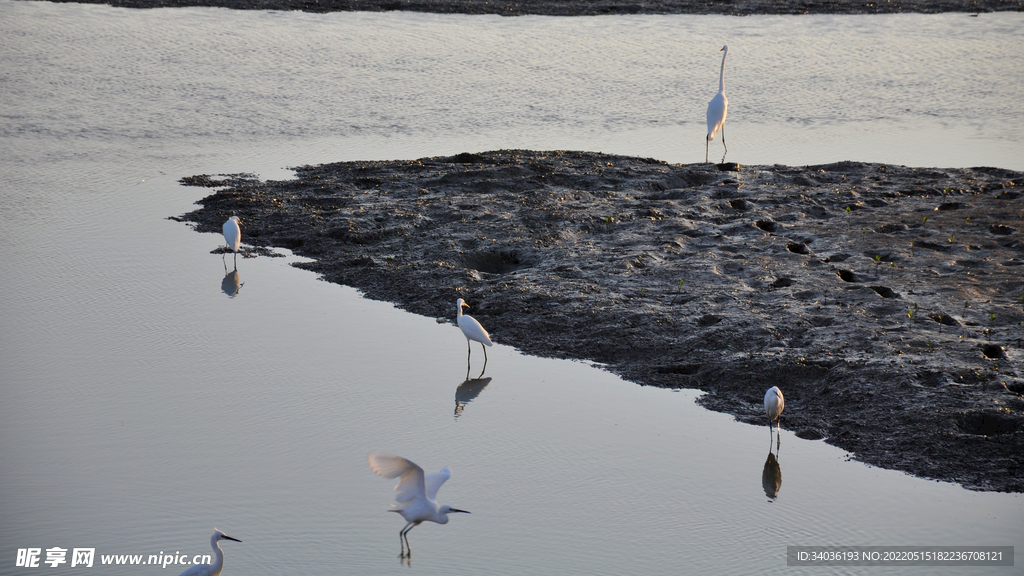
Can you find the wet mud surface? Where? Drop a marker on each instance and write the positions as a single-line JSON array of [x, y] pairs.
[[593, 7], [886, 302]]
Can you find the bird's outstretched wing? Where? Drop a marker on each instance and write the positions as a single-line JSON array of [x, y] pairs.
[[434, 481], [409, 474]]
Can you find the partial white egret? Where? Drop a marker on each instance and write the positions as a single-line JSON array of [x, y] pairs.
[[218, 564], [717, 109], [233, 235], [473, 332], [415, 493], [773, 405]]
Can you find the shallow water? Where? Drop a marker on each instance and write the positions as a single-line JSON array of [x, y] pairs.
[[140, 406]]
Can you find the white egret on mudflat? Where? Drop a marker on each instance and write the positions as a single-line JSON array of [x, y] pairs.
[[773, 405], [233, 235], [473, 332], [218, 564], [717, 109], [415, 493]]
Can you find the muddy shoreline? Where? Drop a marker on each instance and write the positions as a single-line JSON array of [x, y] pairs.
[[886, 302], [592, 7]]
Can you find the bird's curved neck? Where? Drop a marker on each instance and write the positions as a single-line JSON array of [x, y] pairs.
[[218, 562], [459, 310], [721, 75]]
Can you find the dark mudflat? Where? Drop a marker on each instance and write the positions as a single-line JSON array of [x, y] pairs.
[[594, 7], [886, 302]]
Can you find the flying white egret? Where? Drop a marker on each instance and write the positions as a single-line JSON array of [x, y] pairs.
[[415, 493], [233, 235], [218, 564], [773, 405], [717, 109], [473, 332]]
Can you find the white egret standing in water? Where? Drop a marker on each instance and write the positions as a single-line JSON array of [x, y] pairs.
[[233, 236], [773, 405], [717, 109], [415, 493], [218, 564], [473, 332]]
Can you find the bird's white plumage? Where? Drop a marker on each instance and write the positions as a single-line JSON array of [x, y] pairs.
[[415, 492], [432, 482], [773, 403], [718, 108], [411, 482], [233, 234], [470, 327], [218, 563]]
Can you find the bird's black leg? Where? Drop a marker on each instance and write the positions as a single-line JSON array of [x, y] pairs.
[[707, 144], [485, 360], [723, 144], [403, 539], [469, 354]]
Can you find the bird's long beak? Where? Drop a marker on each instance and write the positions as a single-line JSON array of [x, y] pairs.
[[464, 305], [456, 510], [226, 537]]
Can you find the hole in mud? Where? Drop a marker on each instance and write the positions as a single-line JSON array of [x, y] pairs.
[[797, 248], [709, 320], [930, 246], [836, 258], [1001, 230], [992, 350], [885, 292], [949, 206], [685, 369], [496, 261], [766, 225], [847, 276], [891, 228], [944, 319], [987, 424], [782, 283], [740, 205]]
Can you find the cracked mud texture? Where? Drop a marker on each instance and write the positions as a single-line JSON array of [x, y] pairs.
[[593, 7], [886, 302]]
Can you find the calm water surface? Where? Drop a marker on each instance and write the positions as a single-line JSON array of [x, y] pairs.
[[140, 406]]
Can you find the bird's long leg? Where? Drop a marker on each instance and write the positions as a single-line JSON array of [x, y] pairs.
[[469, 354], [224, 262], [403, 538], [485, 360], [770, 436], [723, 143], [236, 251], [707, 144], [778, 433]]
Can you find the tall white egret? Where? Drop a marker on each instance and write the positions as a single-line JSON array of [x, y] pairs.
[[233, 235], [415, 493], [773, 405], [717, 109], [218, 564], [473, 331]]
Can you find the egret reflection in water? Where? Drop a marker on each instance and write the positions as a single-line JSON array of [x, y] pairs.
[[771, 477], [468, 391], [232, 283]]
